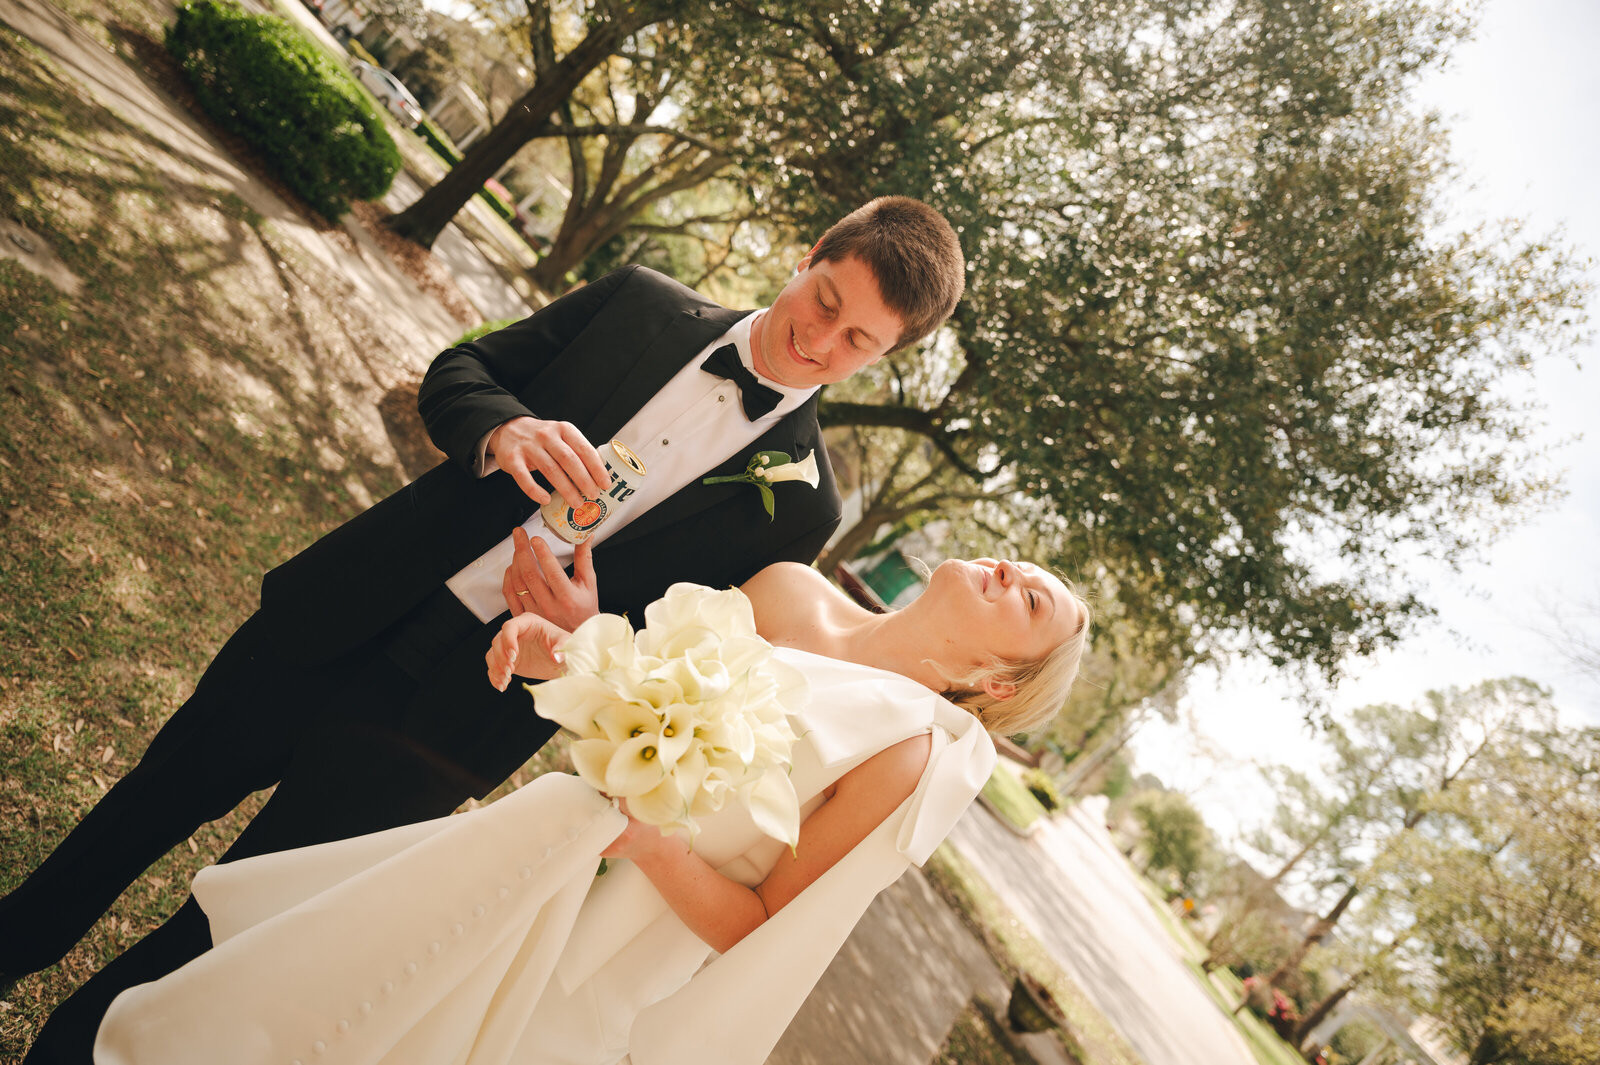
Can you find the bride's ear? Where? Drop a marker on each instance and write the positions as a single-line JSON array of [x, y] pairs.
[[999, 690]]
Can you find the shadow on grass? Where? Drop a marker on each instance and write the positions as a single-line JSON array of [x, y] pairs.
[[206, 405]]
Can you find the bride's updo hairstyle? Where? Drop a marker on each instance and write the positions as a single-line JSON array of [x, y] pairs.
[[1041, 685]]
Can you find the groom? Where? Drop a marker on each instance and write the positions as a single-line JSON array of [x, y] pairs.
[[359, 687]]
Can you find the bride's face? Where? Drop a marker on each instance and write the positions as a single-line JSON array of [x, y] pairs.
[[984, 609]]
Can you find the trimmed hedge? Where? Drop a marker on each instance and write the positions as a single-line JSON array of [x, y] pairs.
[[439, 141], [260, 79]]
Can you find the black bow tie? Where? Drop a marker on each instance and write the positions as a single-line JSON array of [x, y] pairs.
[[756, 398]]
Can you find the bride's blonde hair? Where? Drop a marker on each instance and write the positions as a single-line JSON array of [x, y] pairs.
[[1041, 686]]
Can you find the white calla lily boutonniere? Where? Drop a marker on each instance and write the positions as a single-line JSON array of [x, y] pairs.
[[683, 716], [767, 468]]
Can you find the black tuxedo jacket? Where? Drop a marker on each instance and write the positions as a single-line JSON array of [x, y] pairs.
[[593, 358]]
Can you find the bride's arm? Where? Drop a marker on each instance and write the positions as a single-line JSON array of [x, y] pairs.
[[721, 911]]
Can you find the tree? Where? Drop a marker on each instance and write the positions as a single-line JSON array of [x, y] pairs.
[[1506, 903], [1440, 743], [1213, 337], [1174, 833], [623, 161], [606, 24]]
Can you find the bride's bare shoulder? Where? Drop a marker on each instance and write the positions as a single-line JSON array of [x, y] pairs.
[[786, 577], [795, 606]]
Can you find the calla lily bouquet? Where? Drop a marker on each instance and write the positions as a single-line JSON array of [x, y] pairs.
[[767, 468], [683, 716]]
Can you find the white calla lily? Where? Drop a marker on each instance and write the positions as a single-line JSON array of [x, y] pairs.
[[603, 642], [774, 806], [635, 767], [804, 470]]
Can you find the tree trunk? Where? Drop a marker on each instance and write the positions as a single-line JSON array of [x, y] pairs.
[[529, 117], [1318, 933], [1320, 1012], [858, 536]]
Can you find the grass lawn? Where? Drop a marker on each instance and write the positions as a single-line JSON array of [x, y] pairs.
[[207, 402], [1010, 800]]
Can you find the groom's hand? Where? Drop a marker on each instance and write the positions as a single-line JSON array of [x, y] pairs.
[[525, 446], [536, 583]]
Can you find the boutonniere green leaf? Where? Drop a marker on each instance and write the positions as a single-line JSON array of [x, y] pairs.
[[767, 468]]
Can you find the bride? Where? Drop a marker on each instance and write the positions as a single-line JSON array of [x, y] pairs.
[[487, 937]]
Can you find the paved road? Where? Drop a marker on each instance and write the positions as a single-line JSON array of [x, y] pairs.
[[1077, 894], [893, 992]]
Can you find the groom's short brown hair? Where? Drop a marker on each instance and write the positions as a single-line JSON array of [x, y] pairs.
[[912, 252]]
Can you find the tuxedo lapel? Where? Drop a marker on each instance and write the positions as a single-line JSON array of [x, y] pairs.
[[682, 340]]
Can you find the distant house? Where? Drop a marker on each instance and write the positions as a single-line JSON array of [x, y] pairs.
[[461, 114]]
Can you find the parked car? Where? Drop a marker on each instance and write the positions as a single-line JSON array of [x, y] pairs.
[[387, 88]]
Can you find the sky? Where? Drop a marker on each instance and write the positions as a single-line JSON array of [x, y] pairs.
[[1519, 101]]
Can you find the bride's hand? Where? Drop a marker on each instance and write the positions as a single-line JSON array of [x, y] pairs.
[[640, 840], [525, 646]]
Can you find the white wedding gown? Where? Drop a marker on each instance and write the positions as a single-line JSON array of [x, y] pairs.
[[486, 938]]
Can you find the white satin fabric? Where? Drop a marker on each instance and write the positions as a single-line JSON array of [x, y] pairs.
[[485, 938]]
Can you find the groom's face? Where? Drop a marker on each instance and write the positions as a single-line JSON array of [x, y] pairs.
[[828, 322]]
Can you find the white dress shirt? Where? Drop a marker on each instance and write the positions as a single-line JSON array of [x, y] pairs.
[[692, 425]]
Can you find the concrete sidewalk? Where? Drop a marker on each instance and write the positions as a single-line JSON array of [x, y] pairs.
[[891, 995], [1083, 902]]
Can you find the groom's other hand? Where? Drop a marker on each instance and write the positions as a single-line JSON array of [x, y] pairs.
[[536, 583], [525, 446]]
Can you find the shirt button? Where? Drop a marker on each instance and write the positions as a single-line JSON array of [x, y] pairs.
[[665, 441], [722, 399]]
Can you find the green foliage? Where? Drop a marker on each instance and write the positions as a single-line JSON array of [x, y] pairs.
[[262, 80], [1043, 787], [1010, 800], [1119, 778], [479, 330], [1500, 898], [436, 139], [1175, 835], [497, 202]]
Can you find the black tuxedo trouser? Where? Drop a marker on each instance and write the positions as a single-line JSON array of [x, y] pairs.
[[333, 737]]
